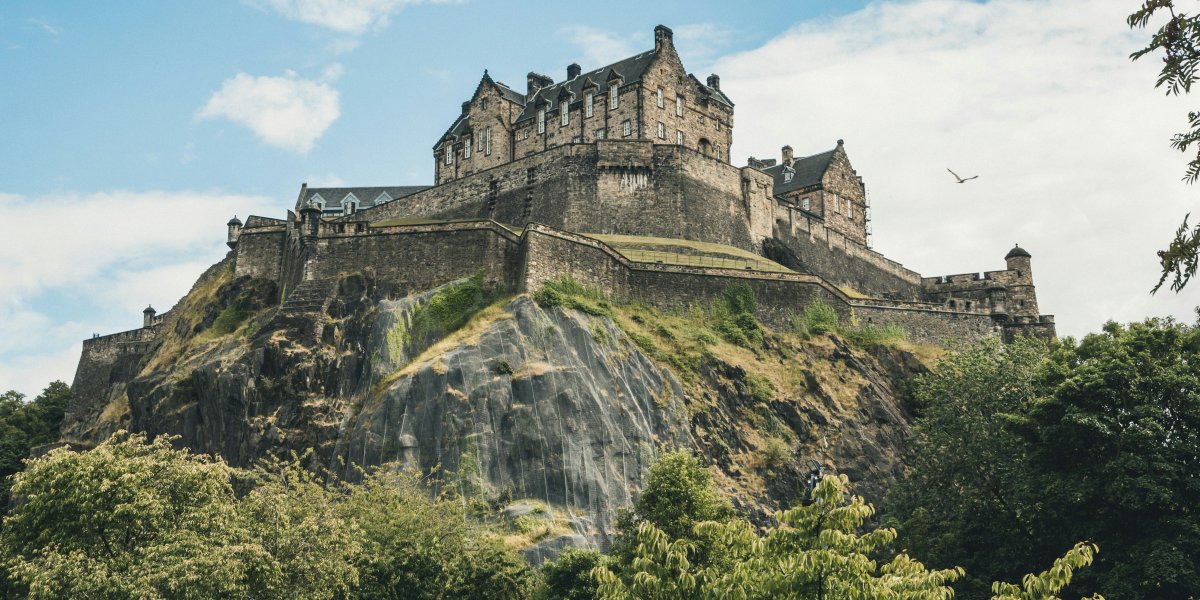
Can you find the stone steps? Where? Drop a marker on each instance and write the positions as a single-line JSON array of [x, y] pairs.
[[310, 297]]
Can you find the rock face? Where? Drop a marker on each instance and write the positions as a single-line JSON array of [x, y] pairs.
[[523, 404]]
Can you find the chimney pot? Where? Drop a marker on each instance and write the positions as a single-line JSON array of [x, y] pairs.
[[714, 81], [787, 155], [466, 106]]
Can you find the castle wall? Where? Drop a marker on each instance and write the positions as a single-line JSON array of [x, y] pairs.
[[808, 246], [711, 121], [624, 187], [259, 252], [930, 326], [420, 258], [106, 364]]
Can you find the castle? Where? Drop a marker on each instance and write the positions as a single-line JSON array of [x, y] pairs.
[[620, 178]]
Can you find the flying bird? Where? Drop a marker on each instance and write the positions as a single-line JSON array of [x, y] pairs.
[[960, 179]]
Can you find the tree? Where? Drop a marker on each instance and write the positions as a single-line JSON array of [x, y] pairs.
[[24, 426], [1179, 39], [570, 576], [1022, 451]]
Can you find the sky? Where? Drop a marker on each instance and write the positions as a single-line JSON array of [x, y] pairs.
[[133, 131]]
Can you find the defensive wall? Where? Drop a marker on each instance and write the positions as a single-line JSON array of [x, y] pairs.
[[105, 364], [418, 257], [631, 187]]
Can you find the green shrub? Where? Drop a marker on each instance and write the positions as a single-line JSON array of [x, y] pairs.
[[776, 452], [760, 387], [568, 293], [819, 317]]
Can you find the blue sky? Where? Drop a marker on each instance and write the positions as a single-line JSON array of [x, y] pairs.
[[134, 130]]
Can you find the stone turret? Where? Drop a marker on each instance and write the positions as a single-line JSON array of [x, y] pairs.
[[310, 220], [1018, 260], [148, 316], [235, 231]]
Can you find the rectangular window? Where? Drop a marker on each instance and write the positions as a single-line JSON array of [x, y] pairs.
[[588, 101], [662, 131], [601, 133], [467, 146], [850, 209], [576, 140], [612, 95], [483, 104], [627, 128], [449, 154], [805, 204], [836, 204], [660, 98], [541, 120], [487, 141], [718, 124], [718, 153], [566, 114], [679, 106], [679, 137]]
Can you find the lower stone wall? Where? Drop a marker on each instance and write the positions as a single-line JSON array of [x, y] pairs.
[[804, 244], [931, 326], [260, 252], [105, 365]]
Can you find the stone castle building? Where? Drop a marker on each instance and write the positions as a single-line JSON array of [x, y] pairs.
[[619, 177]]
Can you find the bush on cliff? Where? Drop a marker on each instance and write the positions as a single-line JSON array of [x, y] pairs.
[[25, 425]]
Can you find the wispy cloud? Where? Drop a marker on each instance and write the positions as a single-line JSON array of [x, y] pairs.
[[45, 26], [286, 112], [124, 249], [597, 46], [1038, 98], [345, 16]]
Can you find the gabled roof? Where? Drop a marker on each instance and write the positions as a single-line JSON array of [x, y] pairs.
[[806, 171], [628, 70], [366, 196], [463, 123]]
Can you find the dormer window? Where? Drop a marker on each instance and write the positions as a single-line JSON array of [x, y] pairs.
[[661, 100], [612, 95], [679, 106], [788, 174], [541, 118], [588, 102]]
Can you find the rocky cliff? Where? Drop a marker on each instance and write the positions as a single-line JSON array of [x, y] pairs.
[[553, 407]]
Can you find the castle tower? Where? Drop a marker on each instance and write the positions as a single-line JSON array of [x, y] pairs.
[[1022, 299], [148, 316], [310, 221], [235, 231]]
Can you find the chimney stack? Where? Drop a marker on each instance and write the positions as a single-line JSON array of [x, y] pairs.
[[573, 70], [714, 81], [787, 155], [662, 38], [466, 106], [535, 82]]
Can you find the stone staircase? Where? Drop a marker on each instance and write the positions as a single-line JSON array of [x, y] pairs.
[[311, 297]]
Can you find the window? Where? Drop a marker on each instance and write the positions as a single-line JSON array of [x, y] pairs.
[[787, 176], [679, 137], [601, 133], [660, 98], [718, 153], [805, 204], [662, 131], [541, 120], [850, 209], [679, 106], [565, 118], [836, 204], [588, 101], [718, 124], [627, 128], [467, 146], [449, 154], [576, 140], [483, 104], [612, 95], [487, 141]]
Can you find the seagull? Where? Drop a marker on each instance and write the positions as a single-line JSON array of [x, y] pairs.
[[960, 179]]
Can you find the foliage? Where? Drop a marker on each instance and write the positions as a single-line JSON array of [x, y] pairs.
[[1050, 582], [133, 518], [568, 293], [679, 493], [815, 552], [819, 317], [1179, 39], [776, 452], [570, 576], [1023, 450], [25, 425], [232, 316]]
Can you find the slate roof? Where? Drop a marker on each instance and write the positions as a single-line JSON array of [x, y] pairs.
[[807, 171], [630, 70], [462, 124], [366, 195]]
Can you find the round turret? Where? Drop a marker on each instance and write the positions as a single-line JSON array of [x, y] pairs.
[[148, 316], [1016, 252], [235, 231], [1017, 260]]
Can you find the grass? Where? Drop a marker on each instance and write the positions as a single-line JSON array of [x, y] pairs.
[[820, 318], [686, 253]]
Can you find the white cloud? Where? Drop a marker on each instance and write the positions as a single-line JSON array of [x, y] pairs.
[[345, 16], [327, 180], [598, 47], [84, 263], [1039, 98], [286, 112]]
